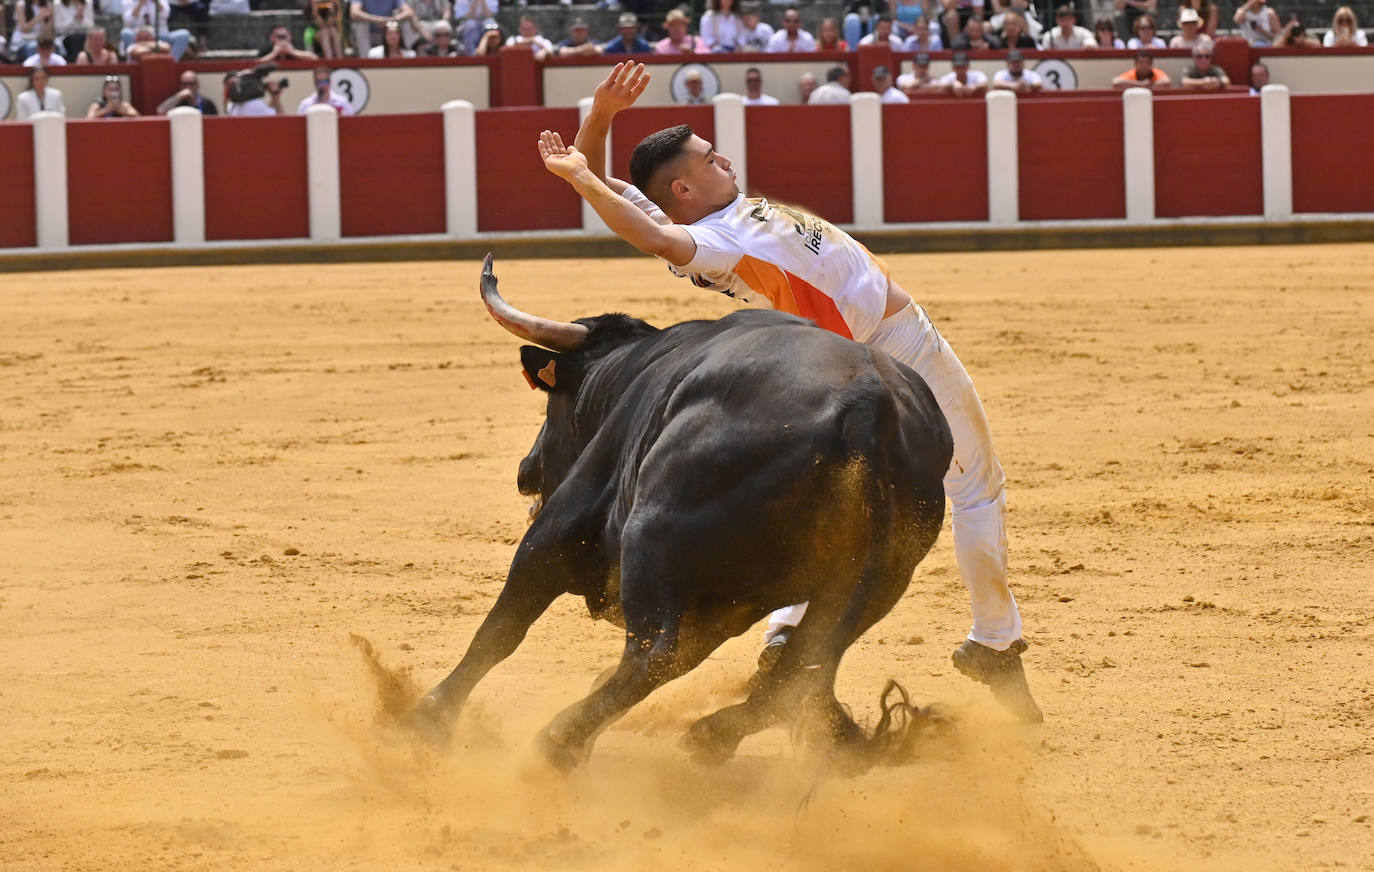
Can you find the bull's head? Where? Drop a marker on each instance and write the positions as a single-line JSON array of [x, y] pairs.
[[558, 364]]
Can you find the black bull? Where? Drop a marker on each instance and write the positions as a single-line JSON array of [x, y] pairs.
[[692, 480]]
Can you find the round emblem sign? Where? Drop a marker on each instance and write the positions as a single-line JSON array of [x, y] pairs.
[[1058, 75], [678, 86], [352, 86]]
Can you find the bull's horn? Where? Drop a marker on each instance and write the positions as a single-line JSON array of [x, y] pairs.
[[551, 334]]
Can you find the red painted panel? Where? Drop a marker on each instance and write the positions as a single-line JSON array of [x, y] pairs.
[[1087, 180], [256, 181], [20, 226], [801, 155], [1207, 156], [1333, 137], [514, 191], [119, 181], [935, 161], [633, 125], [391, 174]]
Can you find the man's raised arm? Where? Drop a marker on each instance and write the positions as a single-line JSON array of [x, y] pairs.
[[668, 241], [619, 90]]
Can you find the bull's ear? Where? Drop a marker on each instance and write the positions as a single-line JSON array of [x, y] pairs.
[[541, 367]]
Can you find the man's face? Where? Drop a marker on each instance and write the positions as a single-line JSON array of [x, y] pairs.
[[677, 29], [1143, 67], [882, 83], [281, 34], [1011, 28], [1189, 29], [1259, 76], [844, 80], [322, 83], [578, 35], [961, 73], [922, 29], [528, 28], [974, 29], [791, 22], [883, 32], [753, 83], [628, 32], [750, 19], [1203, 60], [443, 38], [694, 87], [190, 82], [920, 71], [807, 84], [1066, 23], [707, 175], [1016, 67]]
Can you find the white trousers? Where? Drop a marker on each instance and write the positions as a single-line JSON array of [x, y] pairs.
[[973, 482]]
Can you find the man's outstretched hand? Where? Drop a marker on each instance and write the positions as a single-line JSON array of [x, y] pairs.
[[561, 160], [621, 88]]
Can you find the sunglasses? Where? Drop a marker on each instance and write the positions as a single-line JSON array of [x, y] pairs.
[[1202, 56]]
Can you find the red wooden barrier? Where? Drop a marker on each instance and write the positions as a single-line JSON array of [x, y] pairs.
[[1071, 159], [633, 125], [256, 178], [1333, 137], [514, 191], [20, 226], [935, 161], [119, 181], [1207, 156], [391, 175], [800, 155]]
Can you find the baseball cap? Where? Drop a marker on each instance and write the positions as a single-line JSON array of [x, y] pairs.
[[880, 71], [922, 58], [1187, 15], [578, 23], [960, 59], [629, 19], [1015, 55]]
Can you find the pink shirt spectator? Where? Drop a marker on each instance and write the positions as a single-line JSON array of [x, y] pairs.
[[688, 45]]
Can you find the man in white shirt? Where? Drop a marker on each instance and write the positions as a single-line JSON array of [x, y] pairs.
[[1068, 35], [1016, 77], [791, 38], [686, 208], [962, 81], [323, 95], [882, 35], [835, 90], [753, 34], [882, 83], [753, 89], [46, 56]]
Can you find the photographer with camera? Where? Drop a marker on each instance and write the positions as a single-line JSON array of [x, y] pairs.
[[328, 36], [1294, 35], [111, 103], [282, 49], [323, 96], [250, 94], [189, 96], [1258, 22]]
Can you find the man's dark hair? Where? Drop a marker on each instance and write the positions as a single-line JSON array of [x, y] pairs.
[[654, 152], [836, 73]]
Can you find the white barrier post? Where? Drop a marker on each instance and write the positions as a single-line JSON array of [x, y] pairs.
[[50, 179], [322, 150], [591, 222], [1276, 151], [730, 137], [866, 157], [460, 168], [1138, 129], [188, 174], [1004, 181]]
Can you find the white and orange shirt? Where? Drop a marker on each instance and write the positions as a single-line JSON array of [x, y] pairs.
[[782, 257]]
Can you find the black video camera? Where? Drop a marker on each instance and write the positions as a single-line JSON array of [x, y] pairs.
[[245, 85]]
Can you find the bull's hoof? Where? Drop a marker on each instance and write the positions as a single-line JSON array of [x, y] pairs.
[[557, 752], [706, 746], [431, 723]]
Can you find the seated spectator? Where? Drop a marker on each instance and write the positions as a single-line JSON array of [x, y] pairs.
[[188, 96], [473, 17], [1104, 31], [1208, 15], [1016, 77], [720, 26], [198, 14], [490, 43], [529, 35], [753, 89], [919, 79], [962, 81], [882, 83], [39, 97], [679, 40], [1144, 74], [96, 51], [1294, 35], [695, 91], [1259, 77], [111, 103], [145, 44], [427, 13], [882, 35], [323, 95], [368, 21], [1132, 10], [71, 19], [1202, 74], [282, 49], [152, 14], [905, 14], [629, 41], [1258, 22], [835, 90], [1190, 31], [753, 34], [268, 104], [1145, 34], [579, 42], [441, 43], [806, 86], [924, 37], [32, 18], [1067, 35], [791, 38], [47, 55], [393, 44], [327, 39], [828, 36], [1024, 8], [956, 15], [975, 38], [1345, 30], [1014, 34]]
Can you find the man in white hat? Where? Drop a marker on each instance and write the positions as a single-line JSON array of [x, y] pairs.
[[679, 40], [1190, 31]]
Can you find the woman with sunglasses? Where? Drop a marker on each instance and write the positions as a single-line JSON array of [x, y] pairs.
[[1345, 30], [1146, 34]]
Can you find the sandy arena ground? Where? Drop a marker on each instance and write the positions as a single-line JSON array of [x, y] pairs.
[[211, 479]]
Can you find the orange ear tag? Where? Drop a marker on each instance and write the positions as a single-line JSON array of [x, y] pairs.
[[546, 374], [529, 380]]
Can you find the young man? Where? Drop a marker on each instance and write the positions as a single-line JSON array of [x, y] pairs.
[[1144, 74], [1016, 77], [685, 207]]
